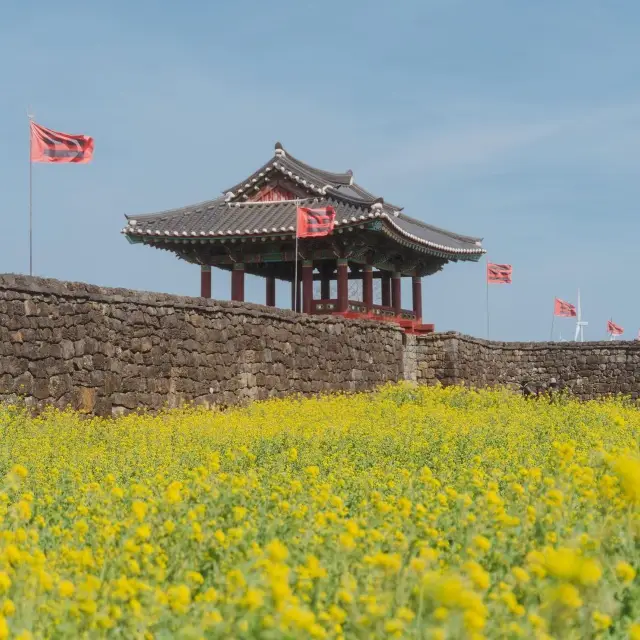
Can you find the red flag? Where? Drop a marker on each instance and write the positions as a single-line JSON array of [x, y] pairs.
[[614, 329], [53, 146], [313, 223], [499, 273], [564, 309]]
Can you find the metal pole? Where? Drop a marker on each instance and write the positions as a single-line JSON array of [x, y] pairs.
[[295, 265], [30, 198], [487, 279], [553, 318]]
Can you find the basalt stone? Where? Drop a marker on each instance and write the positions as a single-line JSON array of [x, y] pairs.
[[130, 349]]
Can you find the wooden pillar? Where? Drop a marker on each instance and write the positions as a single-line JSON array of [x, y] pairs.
[[343, 284], [416, 284], [396, 293], [325, 282], [385, 289], [205, 281], [367, 286], [237, 282], [307, 286], [271, 291]]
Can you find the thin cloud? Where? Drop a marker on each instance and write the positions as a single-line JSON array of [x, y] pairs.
[[481, 146]]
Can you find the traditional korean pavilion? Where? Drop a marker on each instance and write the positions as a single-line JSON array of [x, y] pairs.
[[251, 229]]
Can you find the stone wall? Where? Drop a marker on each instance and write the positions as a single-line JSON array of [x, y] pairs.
[[588, 369], [110, 350], [107, 351]]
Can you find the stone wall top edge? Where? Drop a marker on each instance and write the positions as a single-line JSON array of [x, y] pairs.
[[112, 295], [531, 346]]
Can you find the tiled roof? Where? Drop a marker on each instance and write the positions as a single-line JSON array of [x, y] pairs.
[[229, 215]]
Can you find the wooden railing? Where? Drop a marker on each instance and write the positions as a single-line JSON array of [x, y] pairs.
[[356, 309], [324, 306], [355, 306]]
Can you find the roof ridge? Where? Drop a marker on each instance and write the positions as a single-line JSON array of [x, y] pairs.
[[432, 227], [184, 210], [340, 178], [336, 193]]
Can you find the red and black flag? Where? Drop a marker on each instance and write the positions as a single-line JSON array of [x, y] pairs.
[[499, 273], [563, 309], [614, 329], [313, 223], [53, 146]]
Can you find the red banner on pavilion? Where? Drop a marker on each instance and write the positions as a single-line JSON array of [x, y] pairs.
[[53, 146], [564, 309], [614, 329], [499, 273], [313, 223]]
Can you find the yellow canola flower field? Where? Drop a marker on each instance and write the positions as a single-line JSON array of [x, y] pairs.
[[411, 512]]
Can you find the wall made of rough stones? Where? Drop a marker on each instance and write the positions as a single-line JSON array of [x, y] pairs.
[[588, 369], [107, 351]]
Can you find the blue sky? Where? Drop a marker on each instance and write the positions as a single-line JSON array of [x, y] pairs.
[[515, 121]]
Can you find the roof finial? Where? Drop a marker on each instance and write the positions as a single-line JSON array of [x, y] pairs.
[[377, 204], [280, 150], [350, 174]]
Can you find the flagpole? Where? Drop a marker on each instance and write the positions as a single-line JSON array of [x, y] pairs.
[[487, 279], [553, 319], [295, 267], [30, 197]]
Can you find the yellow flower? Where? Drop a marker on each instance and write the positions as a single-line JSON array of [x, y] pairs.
[[81, 527], [625, 572], [169, 526], [195, 577], [212, 619], [143, 532], [520, 575], [440, 613], [567, 595], [139, 510], [478, 575], [239, 513], [5, 582], [590, 572], [394, 627], [536, 621], [628, 471], [554, 498], [173, 493], [179, 598], [473, 621], [389, 562], [66, 589], [19, 471], [277, 551], [601, 621], [347, 542], [23, 510], [253, 598], [482, 543]]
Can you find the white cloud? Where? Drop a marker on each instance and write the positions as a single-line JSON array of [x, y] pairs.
[[484, 145]]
